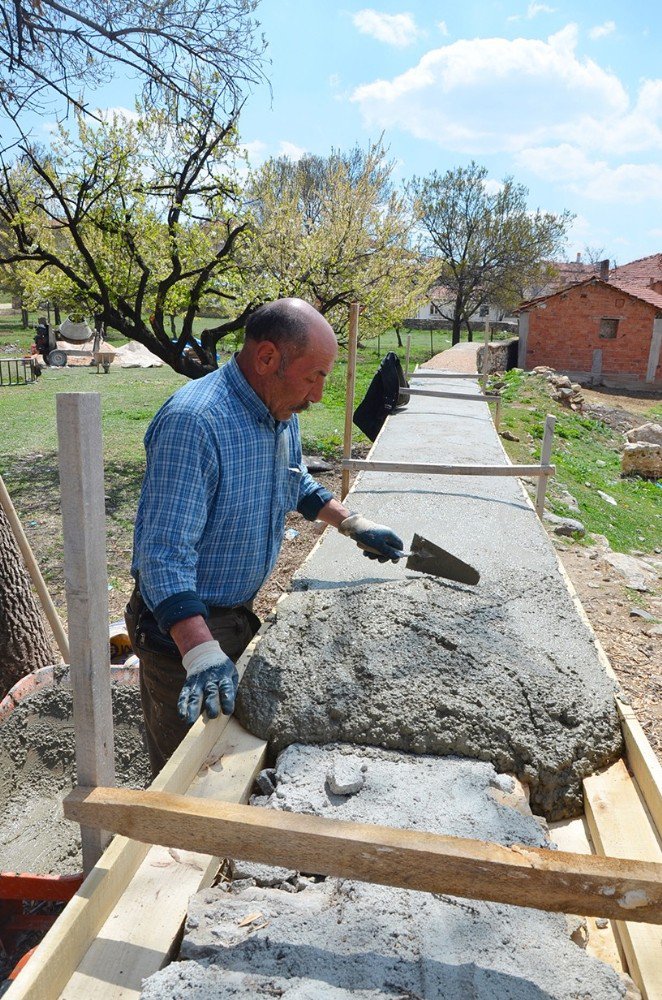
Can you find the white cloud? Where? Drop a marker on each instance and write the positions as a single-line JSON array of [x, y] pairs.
[[492, 186], [289, 150], [255, 150], [597, 180], [443, 28], [334, 80], [601, 30], [532, 11], [108, 114], [500, 95], [393, 29]]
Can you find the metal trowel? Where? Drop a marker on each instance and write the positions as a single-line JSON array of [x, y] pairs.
[[426, 557]]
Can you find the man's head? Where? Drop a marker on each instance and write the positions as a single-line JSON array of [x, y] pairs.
[[289, 349]]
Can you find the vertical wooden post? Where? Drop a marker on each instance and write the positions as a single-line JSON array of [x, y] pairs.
[[407, 354], [349, 399], [545, 457], [497, 413], [86, 584]]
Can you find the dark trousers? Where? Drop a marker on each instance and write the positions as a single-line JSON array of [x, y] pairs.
[[162, 674]]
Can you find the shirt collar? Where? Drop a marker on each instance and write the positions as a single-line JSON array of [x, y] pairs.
[[248, 396]]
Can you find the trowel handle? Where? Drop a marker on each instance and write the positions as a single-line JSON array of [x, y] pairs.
[[369, 548]]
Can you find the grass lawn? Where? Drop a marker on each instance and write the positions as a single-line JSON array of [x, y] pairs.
[[586, 453]]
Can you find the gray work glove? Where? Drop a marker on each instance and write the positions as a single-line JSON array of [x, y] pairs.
[[376, 540], [211, 680]]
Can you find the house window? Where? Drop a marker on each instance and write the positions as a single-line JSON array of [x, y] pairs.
[[608, 328]]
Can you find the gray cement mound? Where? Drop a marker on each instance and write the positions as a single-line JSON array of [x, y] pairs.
[[37, 768], [432, 668], [340, 939]]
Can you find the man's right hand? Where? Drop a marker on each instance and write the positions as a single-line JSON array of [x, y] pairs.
[[211, 682]]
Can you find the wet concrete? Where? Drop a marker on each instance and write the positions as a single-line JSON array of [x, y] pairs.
[[37, 768], [437, 669], [505, 672], [338, 938]]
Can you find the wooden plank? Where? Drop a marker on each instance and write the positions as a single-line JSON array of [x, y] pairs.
[[63, 947], [432, 373], [477, 397], [523, 876], [643, 763], [349, 394], [620, 827], [545, 456], [139, 935], [425, 468], [80, 456], [32, 566], [574, 835]]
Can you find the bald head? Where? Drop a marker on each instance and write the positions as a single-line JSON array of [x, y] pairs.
[[289, 349], [288, 323]]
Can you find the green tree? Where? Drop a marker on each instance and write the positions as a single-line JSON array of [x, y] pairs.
[[332, 229], [487, 244], [133, 222]]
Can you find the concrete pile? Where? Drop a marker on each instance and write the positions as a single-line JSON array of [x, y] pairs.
[[432, 668], [37, 768]]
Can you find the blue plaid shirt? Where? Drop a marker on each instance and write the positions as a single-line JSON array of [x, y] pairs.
[[221, 476]]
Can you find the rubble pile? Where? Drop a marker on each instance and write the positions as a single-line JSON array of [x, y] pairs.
[[563, 390]]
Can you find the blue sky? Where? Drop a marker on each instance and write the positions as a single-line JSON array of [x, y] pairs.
[[565, 97]]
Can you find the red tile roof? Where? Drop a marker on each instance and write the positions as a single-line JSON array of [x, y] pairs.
[[642, 273], [644, 294]]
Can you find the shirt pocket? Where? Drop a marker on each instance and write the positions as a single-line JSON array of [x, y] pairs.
[[291, 487]]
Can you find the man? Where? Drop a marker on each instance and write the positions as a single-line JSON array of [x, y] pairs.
[[224, 467]]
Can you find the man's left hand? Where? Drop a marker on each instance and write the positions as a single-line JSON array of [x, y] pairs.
[[377, 537], [211, 682]]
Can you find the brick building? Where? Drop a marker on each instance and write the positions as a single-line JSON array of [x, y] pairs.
[[606, 330]]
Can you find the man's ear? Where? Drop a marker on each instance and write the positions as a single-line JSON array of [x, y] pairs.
[[267, 358]]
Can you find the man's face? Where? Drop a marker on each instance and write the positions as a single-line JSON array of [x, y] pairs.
[[299, 381]]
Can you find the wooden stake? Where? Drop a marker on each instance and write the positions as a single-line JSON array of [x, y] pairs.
[[497, 413], [35, 573], [349, 400], [424, 468], [520, 875], [86, 582], [545, 456]]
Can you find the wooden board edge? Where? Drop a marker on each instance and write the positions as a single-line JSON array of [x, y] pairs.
[[640, 943], [643, 762], [208, 784]]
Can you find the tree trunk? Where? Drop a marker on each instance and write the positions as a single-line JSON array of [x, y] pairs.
[[397, 333], [24, 643], [56, 314], [25, 318], [457, 328]]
